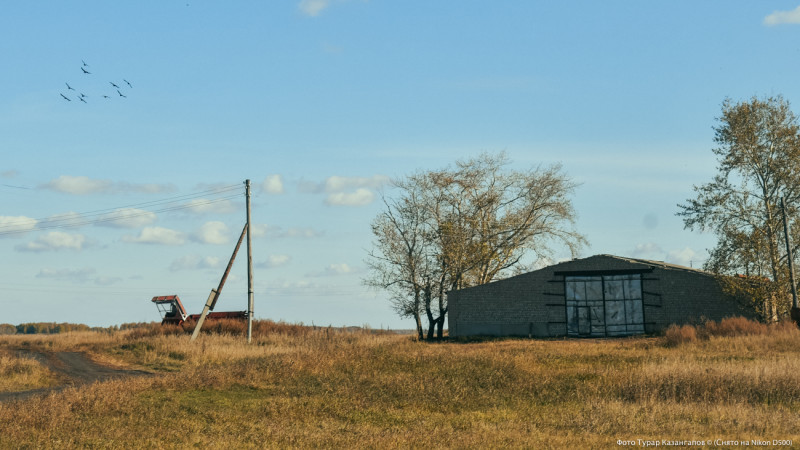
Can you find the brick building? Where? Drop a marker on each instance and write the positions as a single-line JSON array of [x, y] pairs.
[[602, 295]]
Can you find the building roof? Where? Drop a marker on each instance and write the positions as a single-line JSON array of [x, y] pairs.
[[661, 264], [564, 266]]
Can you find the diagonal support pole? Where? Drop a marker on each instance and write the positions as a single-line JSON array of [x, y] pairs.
[[211, 298], [214, 296]]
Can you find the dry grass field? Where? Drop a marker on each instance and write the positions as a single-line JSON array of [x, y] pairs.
[[301, 387]]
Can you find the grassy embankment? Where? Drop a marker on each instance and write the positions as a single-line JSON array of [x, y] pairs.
[[300, 387]]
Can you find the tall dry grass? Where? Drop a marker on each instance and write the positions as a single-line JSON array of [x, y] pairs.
[[21, 373], [730, 326], [331, 388]]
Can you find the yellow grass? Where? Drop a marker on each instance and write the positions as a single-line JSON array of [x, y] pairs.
[[326, 388], [23, 373]]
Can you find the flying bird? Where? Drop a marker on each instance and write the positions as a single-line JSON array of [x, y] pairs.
[[120, 94], [105, 96], [66, 98], [127, 82], [114, 85], [84, 63], [83, 95], [81, 99], [69, 87], [86, 71]]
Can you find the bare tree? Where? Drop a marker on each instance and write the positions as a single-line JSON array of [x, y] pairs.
[[467, 225], [758, 158], [398, 262]]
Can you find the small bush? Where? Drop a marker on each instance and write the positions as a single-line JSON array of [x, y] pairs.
[[728, 327], [734, 326], [784, 327], [679, 334]]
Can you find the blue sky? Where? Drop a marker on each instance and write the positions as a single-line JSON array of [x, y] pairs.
[[319, 103]]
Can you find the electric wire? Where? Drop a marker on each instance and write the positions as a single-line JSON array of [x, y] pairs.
[[153, 202], [99, 216], [122, 216], [61, 288]]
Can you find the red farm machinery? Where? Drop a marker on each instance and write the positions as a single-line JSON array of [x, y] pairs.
[[173, 313]]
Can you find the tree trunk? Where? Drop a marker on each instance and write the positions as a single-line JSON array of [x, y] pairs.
[[442, 313], [431, 321], [431, 324], [774, 259], [418, 319]]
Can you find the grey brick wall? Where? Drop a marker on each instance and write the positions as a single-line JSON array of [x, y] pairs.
[[534, 303]]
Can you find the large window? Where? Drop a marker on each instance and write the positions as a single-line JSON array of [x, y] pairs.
[[604, 305]]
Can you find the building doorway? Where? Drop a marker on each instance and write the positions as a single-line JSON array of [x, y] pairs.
[[604, 305]]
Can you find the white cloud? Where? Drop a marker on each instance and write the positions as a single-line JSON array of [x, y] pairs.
[[684, 257], [78, 185], [16, 225], [338, 269], [273, 184], [360, 197], [300, 233], [127, 218], [212, 233], [346, 191], [339, 184], [77, 275], [291, 288], [146, 188], [208, 206], [53, 241], [352, 191], [333, 270], [156, 235], [82, 185], [261, 230], [209, 262], [106, 281], [313, 7], [648, 250], [274, 261], [193, 262], [783, 17]]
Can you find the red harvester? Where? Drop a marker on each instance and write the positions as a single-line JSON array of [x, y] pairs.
[[173, 312]]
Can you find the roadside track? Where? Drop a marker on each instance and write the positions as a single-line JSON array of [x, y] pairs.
[[76, 368]]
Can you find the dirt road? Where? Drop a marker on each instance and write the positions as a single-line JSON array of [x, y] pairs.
[[74, 367]]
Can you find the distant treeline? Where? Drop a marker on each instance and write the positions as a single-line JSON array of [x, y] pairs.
[[55, 328]]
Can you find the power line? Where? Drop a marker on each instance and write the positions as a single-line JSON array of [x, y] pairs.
[[122, 212], [16, 187], [124, 216]]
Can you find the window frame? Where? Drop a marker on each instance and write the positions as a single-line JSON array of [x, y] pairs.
[[583, 314]]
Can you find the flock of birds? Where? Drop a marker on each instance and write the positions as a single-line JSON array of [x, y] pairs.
[[78, 95]]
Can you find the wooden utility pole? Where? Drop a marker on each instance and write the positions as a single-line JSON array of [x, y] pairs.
[[249, 267]]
